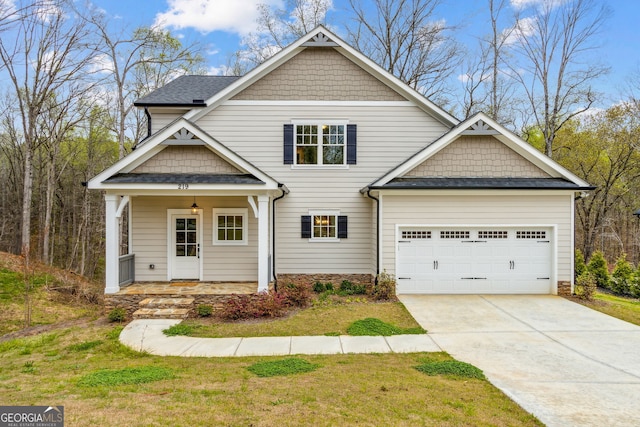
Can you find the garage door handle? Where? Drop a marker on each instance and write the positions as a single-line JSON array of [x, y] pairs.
[[543, 278], [473, 278], [435, 265], [404, 278]]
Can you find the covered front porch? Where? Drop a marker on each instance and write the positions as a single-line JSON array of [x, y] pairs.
[[194, 210], [189, 288]]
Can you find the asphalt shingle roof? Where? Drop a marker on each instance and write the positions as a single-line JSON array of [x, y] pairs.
[[178, 178], [483, 183], [185, 89]]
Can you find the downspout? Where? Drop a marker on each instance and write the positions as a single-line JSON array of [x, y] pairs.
[[377, 233], [285, 191]]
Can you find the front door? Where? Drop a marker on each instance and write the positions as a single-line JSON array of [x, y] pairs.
[[185, 246]]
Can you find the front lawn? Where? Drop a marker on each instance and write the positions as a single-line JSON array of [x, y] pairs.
[[333, 319], [627, 309], [101, 382]]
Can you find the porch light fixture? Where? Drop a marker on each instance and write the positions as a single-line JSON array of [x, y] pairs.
[[194, 206]]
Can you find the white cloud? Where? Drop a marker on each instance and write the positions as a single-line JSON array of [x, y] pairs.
[[101, 64], [525, 27], [540, 4], [237, 16]]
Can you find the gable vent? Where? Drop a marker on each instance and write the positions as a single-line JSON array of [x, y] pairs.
[[480, 128]]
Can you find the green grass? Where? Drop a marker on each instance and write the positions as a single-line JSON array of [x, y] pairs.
[[332, 319], [290, 366], [84, 346], [627, 309], [346, 389], [115, 377], [372, 327], [452, 368]]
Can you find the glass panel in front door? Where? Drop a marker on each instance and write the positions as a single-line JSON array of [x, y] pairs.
[[186, 240]]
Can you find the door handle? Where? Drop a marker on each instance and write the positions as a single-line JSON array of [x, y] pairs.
[[198, 246]]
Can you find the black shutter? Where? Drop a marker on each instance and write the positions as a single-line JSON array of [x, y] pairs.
[[351, 144], [305, 226], [342, 226], [288, 144]]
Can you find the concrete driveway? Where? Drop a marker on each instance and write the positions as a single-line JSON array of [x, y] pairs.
[[565, 363]]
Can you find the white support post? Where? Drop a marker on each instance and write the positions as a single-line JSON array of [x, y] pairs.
[[112, 266], [263, 243]]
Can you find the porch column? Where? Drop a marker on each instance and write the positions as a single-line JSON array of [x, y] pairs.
[[263, 243], [112, 273]]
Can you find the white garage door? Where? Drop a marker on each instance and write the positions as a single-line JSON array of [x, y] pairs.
[[493, 260]]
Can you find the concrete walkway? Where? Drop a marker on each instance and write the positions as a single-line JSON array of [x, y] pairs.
[[146, 335], [566, 364]]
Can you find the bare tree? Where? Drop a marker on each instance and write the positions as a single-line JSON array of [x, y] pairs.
[[487, 82], [277, 28], [555, 71], [44, 56], [406, 38], [121, 56]]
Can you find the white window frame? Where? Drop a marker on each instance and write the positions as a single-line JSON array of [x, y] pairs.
[[244, 212], [313, 213], [320, 157]]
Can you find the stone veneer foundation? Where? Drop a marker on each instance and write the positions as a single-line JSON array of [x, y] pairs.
[[564, 288]]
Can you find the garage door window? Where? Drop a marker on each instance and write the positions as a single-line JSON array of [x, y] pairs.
[[416, 234], [494, 234], [531, 234], [446, 234]]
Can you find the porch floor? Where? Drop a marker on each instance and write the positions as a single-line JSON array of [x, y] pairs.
[[189, 288]]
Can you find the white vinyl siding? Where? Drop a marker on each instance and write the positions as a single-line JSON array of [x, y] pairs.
[[221, 263], [530, 208], [387, 135]]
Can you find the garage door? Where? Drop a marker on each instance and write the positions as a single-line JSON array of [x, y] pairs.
[[494, 260]]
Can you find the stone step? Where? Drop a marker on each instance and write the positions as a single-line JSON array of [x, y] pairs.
[[159, 302], [161, 313]]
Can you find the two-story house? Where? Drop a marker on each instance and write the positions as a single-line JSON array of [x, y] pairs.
[[320, 165]]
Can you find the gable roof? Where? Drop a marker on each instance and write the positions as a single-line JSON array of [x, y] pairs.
[[481, 124], [322, 37], [120, 175], [187, 90]]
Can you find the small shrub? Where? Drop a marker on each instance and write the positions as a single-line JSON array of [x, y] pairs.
[[374, 327], [319, 287], [451, 368], [204, 310], [579, 265], [118, 314], [349, 288], [385, 287], [265, 304], [586, 285], [114, 377], [282, 367], [329, 286], [599, 268], [622, 276], [634, 286], [296, 295]]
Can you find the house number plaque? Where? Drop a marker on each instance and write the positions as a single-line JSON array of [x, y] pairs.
[[183, 186]]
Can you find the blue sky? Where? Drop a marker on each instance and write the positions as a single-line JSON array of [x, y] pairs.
[[219, 25]]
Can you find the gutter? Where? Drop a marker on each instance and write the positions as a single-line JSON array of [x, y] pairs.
[[285, 191], [367, 191]]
